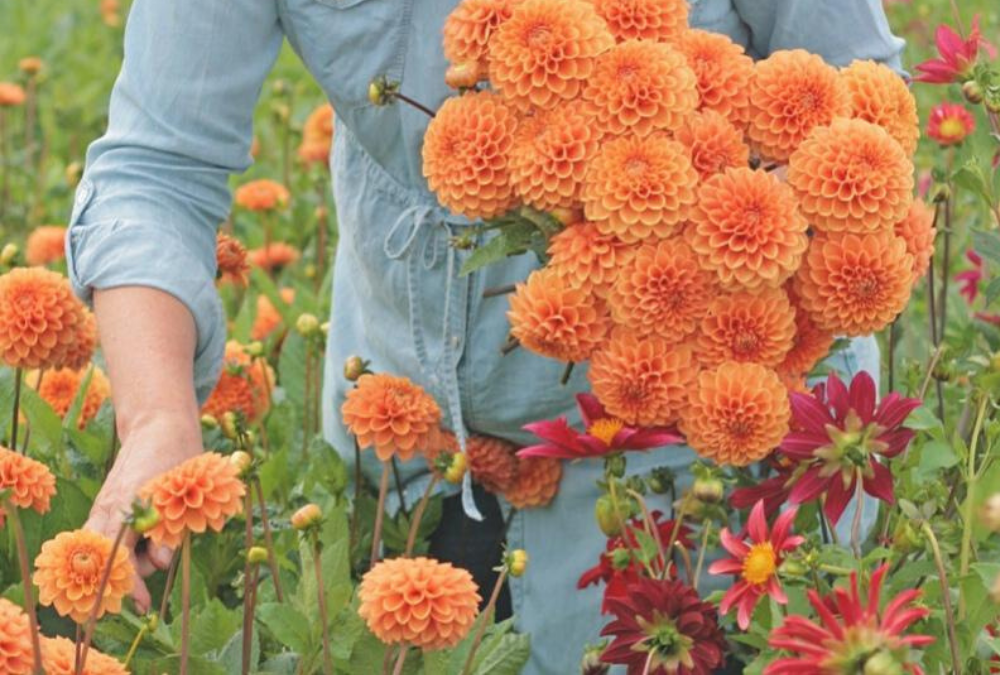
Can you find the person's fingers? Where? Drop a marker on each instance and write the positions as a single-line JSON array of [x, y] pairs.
[[160, 556], [140, 595], [145, 566]]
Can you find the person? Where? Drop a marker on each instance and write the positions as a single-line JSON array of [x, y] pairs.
[[141, 246]]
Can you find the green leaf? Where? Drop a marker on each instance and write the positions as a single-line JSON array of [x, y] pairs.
[[212, 627], [922, 419], [503, 655], [992, 291], [935, 456], [197, 665], [987, 244], [493, 251], [230, 656], [288, 626]]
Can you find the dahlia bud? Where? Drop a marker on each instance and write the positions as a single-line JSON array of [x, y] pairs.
[[307, 325], [660, 480], [280, 111], [517, 562], [8, 254], [989, 513], [320, 213], [230, 425], [607, 518], [621, 558], [992, 104], [354, 368], [30, 65], [324, 328], [255, 349], [462, 75], [152, 621], [281, 88], [144, 517], [308, 517], [209, 422], [973, 92], [591, 663], [458, 464], [906, 538], [941, 193], [73, 172], [242, 461], [257, 555], [614, 465], [381, 91], [883, 663], [793, 568], [309, 271]]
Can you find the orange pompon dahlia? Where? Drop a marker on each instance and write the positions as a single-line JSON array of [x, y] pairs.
[[792, 93], [588, 259], [59, 658], [392, 415], [468, 29], [39, 318], [536, 483], [262, 195], [738, 414], [200, 494], [16, 652], [880, 96], [714, 143], [548, 159], [855, 284], [317, 135], [493, 462], [11, 95], [851, 176], [747, 229], [268, 318], [643, 381], [747, 328], [276, 256], [655, 20], [640, 87], [418, 601], [551, 317], [231, 258], [638, 188], [59, 388], [662, 291], [724, 73], [810, 345], [244, 386], [918, 231], [545, 52], [45, 245], [81, 349], [28, 484], [466, 154], [68, 573]]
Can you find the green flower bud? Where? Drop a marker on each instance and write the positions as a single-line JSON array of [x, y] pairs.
[[307, 325], [607, 519], [257, 555]]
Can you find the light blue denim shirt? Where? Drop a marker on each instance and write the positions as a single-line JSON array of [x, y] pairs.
[[156, 187]]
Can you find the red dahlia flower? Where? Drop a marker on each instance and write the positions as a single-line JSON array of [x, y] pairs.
[[756, 562], [772, 491], [841, 434], [957, 56], [604, 434], [662, 627], [950, 123], [970, 281], [854, 637]]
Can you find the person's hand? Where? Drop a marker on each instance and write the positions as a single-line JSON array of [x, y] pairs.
[[149, 449]]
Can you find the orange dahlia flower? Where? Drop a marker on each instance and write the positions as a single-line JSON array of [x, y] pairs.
[[643, 381], [918, 231], [200, 494], [639, 87], [746, 228], [59, 658], [11, 95], [555, 319], [747, 328], [536, 483], [588, 259], [638, 188], [810, 345], [244, 386], [46, 244], [851, 176], [16, 652], [855, 284], [549, 156], [275, 257], [737, 415], [492, 462], [418, 601], [880, 96], [39, 318], [317, 135], [468, 29], [263, 194], [29, 484], [714, 143], [231, 258], [656, 20], [662, 291], [391, 414], [792, 93], [724, 73], [59, 388], [466, 153], [81, 349], [68, 573], [545, 52], [268, 318]]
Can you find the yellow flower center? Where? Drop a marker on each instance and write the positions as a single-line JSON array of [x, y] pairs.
[[605, 429], [760, 563], [952, 128]]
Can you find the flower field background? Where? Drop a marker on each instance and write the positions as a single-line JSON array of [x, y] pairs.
[[292, 571]]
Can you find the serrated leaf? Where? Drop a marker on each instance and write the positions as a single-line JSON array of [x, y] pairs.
[[504, 655], [288, 625]]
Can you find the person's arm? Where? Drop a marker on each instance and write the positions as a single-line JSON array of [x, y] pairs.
[[141, 241]]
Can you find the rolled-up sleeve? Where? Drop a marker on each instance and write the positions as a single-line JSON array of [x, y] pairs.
[[840, 31], [156, 184]]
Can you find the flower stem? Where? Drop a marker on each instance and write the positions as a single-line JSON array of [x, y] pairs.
[[567, 373], [383, 489], [399, 488], [249, 604], [321, 601], [29, 598], [272, 559], [185, 602], [859, 508], [419, 106], [88, 633], [510, 345], [355, 513], [168, 587], [945, 263], [949, 615], [705, 534], [972, 479], [134, 647], [307, 405], [484, 619], [18, 376], [404, 648], [495, 291], [418, 515], [4, 167], [650, 527], [248, 569]]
